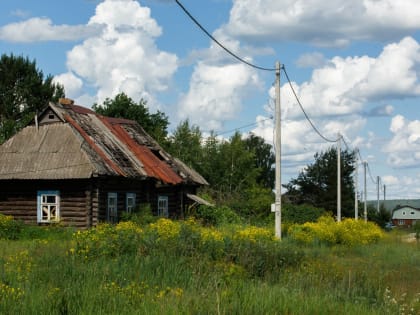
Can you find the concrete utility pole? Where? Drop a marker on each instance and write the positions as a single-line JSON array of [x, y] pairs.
[[365, 192], [384, 194], [356, 185], [278, 155], [377, 193], [338, 177]]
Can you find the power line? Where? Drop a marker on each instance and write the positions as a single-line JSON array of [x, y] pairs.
[[304, 112], [244, 126], [370, 175], [218, 43]]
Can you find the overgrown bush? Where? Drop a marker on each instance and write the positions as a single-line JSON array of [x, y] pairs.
[[141, 215], [326, 230], [106, 240], [216, 216], [9, 228], [300, 214]]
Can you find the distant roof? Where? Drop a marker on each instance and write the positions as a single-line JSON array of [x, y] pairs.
[[71, 141]]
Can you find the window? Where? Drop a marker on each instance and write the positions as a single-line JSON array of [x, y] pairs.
[[130, 202], [412, 212], [163, 206], [48, 202], [403, 212], [401, 222], [112, 212]]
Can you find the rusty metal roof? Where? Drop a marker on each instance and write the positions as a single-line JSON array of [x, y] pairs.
[[80, 143]]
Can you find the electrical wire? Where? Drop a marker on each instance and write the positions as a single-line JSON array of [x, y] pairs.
[[304, 112], [370, 175], [217, 42], [244, 126]]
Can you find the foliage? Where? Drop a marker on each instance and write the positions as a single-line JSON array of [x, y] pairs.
[[106, 240], [253, 203], [185, 144], [207, 270], [123, 106], [300, 214], [23, 92], [264, 159], [416, 228], [349, 232], [9, 228], [141, 215], [381, 217], [317, 183], [216, 216]]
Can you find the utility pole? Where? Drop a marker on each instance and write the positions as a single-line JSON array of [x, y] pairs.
[[384, 194], [278, 155], [356, 185], [339, 178], [365, 192], [377, 193]]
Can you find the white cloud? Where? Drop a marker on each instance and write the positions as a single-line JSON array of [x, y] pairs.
[[124, 57], [216, 94], [344, 85], [73, 85], [404, 147], [42, 29], [337, 22]]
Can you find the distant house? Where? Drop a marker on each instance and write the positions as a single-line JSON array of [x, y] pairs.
[[405, 216], [74, 166]]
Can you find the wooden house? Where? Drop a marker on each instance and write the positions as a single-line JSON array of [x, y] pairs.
[[405, 216], [76, 167]]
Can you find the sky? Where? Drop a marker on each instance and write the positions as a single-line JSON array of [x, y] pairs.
[[354, 66]]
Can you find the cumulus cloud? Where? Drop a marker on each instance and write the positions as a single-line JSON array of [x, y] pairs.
[[73, 84], [344, 85], [337, 22], [215, 94], [124, 56], [42, 29], [404, 147]]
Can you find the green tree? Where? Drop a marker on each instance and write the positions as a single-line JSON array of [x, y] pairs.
[[123, 106], [317, 183], [185, 144], [23, 92], [264, 159]]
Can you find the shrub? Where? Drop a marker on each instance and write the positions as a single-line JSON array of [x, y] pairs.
[[142, 215], [301, 213], [106, 240], [348, 232], [216, 216], [9, 228]]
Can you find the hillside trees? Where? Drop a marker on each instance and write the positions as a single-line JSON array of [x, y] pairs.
[[23, 92], [317, 183]]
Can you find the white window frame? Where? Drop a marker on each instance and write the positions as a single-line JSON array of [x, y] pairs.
[[129, 207], [163, 210], [401, 222], [48, 210], [112, 209]]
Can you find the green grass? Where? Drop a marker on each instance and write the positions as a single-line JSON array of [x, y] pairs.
[[174, 276]]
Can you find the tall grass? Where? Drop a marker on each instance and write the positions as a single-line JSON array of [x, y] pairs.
[[183, 268]]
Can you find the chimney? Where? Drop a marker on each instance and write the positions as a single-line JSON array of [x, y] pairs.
[[65, 101]]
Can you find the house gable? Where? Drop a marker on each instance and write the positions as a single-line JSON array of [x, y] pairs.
[[406, 213]]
